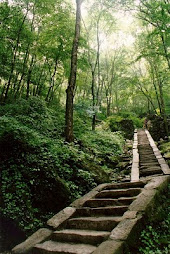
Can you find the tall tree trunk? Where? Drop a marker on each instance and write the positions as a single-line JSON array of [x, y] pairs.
[[93, 96], [27, 53], [165, 50], [153, 78], [15, 56], [39, 81], [72, 79], [163, 108], [29, 77], [52, 80], [145, 93]]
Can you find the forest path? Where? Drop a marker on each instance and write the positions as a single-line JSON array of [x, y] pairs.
[[109, 217]]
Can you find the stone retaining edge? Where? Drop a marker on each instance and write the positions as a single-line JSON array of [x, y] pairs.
[[135, 162], [164, 166], [39, 236]]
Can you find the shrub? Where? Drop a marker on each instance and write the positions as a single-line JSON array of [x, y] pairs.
[[103, 143], [117, 123]]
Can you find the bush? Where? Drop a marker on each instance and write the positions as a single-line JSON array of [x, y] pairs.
[[103, 143], [117, 123]]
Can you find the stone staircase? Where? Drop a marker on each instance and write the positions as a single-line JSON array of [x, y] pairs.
[[108, 218], [149, 164], [92, 223]]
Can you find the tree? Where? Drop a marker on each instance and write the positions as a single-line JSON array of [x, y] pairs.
[[72, 79]]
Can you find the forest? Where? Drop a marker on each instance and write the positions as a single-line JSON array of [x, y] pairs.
[[77, 77]]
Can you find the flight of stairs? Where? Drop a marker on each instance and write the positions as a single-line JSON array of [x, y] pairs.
[[92, 223], [148, 164], [103, 221]]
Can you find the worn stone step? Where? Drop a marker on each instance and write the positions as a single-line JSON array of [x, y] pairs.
[[148, 172], [119, 193], [145, 150], [147, 158], [149, 164], [101, 211], [80, 236], [96, 202], [124, 185], [144, 147], [150, 168], [143, 156], [49, 247], [94, 223], [146, 153]]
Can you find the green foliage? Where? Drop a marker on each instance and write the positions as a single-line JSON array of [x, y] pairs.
[[118, 123], [155, 238], [152, 240], [38, 165], [165, 149], [138, 122], [103, 143], [125, 122]]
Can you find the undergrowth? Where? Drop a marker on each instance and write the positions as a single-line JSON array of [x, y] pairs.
[[155, 238], [41, 173]]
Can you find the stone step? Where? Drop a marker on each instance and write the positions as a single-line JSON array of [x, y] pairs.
[[149, 164], [49, 247], [99, 202], [80, 236], [145, 149], [150, 156], [148, 172], [144, 159], [124, 185], [146, 153], [147, 159], [93, 223], [150, 168], [119, 193], [101, 211]]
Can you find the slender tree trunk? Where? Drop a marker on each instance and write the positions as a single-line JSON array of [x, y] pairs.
[[39, 81], [117, 101], [153, 78], [29, 77], [93, 96], [163, 108], [72, 79], [148, 98], [162, 103], [15, 56], [26, 57], [165, 50], [164, 43], [52, 79], [108, 105]]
